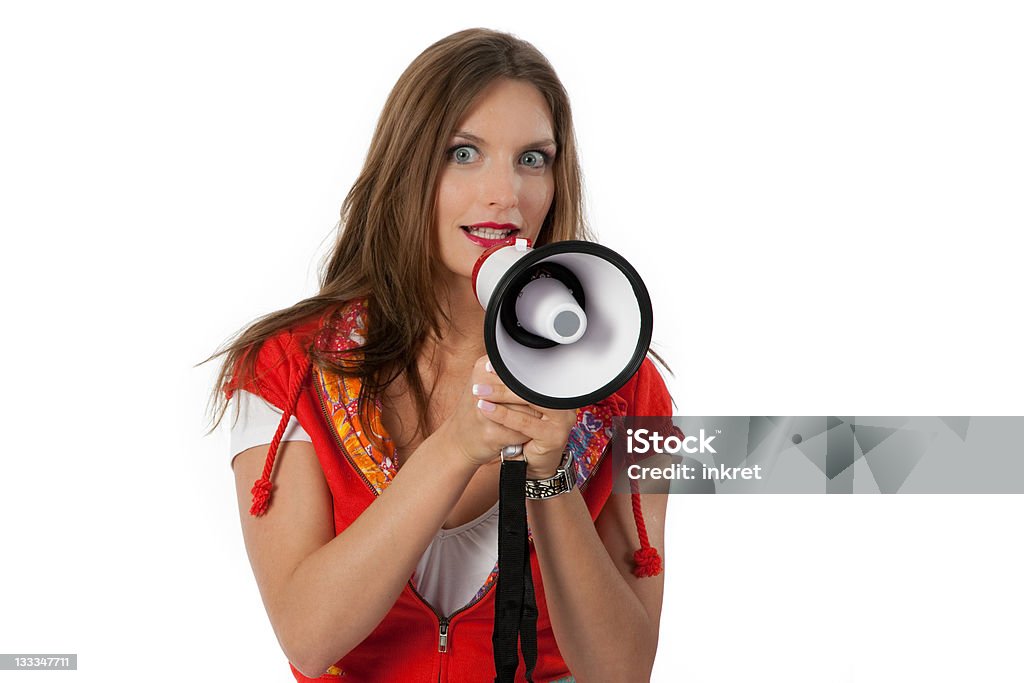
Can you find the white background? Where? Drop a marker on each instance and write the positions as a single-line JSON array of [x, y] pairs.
[[824, 199]]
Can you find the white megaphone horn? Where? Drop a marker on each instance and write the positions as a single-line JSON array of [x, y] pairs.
[[567, 324]]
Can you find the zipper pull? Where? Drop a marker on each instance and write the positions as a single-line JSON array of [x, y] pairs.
[[442, 636]]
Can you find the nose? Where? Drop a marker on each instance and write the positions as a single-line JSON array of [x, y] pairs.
[[501, 187]]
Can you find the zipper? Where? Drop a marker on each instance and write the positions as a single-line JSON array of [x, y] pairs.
[[444, 623], [337, 439], [442, 636]]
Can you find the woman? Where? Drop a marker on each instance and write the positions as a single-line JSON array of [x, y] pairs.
[[390, 470]]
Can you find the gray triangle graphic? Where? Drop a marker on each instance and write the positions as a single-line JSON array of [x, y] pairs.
[[892, 462], [869, 437], [958, 425], [840, 454], [815, 449], [758, 430]]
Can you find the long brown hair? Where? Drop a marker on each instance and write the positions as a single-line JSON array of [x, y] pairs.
[[386, 250]]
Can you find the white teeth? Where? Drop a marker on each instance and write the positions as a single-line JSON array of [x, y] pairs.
[[488, 233]]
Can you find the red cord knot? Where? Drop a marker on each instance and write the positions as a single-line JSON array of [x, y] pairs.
[[260, 497], [647, 561]]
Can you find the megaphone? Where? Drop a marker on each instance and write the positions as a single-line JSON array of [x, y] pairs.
[[567, 324]]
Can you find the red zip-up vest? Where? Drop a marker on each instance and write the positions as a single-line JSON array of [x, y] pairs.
[[413, 642]]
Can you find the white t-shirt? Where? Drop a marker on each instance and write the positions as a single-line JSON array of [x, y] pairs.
[[455, 564]]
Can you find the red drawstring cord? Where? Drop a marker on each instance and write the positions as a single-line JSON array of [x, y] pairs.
[[261, 489], [647, 560]]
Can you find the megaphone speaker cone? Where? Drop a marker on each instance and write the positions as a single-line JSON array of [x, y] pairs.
[[590, 315]]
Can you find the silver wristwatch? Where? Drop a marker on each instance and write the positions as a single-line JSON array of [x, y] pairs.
[[563, 481]]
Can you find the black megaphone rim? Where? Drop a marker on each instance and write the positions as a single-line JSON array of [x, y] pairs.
[[491, 322]]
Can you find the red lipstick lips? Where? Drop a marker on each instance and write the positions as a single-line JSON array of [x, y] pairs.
[[486, 235]]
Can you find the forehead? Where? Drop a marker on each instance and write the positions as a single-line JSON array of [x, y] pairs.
[[509, 108]]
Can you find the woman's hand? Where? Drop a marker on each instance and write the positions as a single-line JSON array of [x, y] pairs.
[[477, 438], [545, 430], [489, 417]]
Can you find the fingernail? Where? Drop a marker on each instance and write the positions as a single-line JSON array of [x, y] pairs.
[[490, 368], [485, 406], [482, 390]]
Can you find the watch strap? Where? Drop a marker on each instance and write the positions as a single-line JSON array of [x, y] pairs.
[[563, 481]]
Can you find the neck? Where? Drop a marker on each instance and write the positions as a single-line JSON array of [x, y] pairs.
[[462, 338]]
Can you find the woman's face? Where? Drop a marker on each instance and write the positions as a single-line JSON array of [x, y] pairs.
[[498, 179]]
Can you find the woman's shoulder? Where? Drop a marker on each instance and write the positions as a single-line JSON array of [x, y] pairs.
[[336, 329], [343, 328], [268, 367]]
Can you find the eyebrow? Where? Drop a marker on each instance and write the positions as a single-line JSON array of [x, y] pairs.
[[546, 142]]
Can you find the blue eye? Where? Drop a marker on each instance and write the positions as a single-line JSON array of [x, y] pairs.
[[534, 159], [463, 154]]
